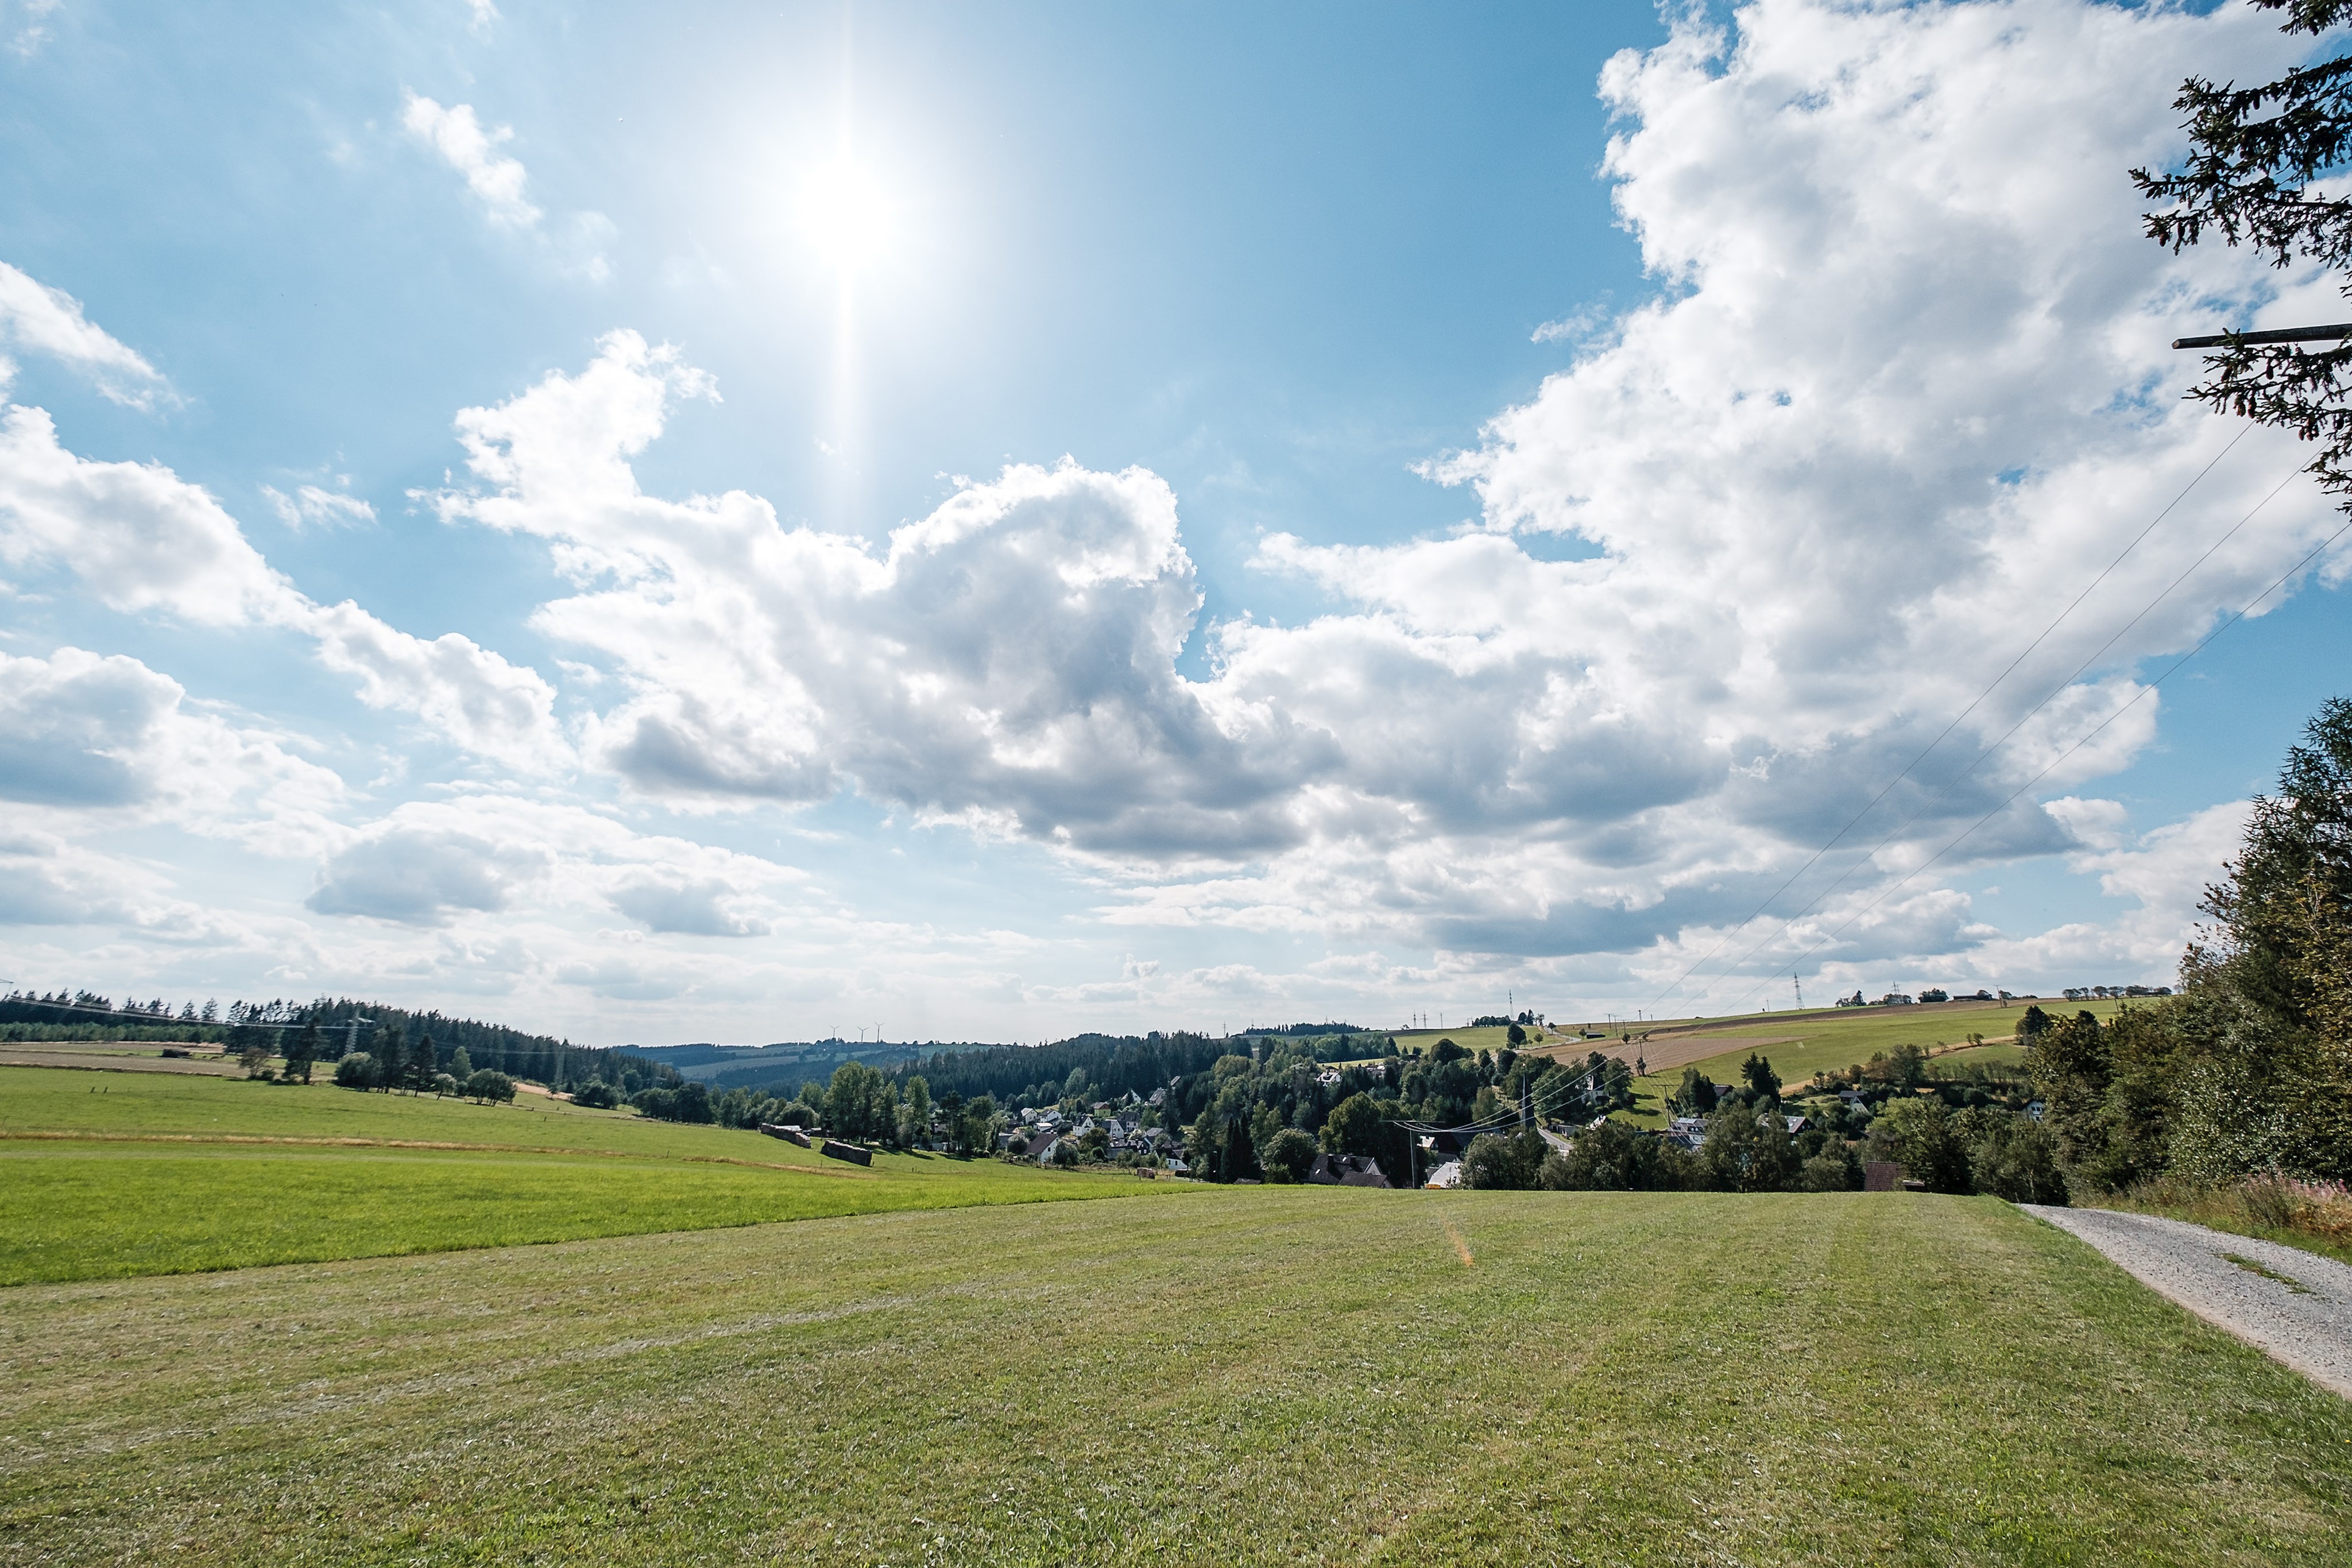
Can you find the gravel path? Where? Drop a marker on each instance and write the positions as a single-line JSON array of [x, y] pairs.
[[2295, 1305]]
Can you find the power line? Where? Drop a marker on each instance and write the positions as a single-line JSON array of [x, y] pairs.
[[2055, 692], [2171, 670], [1964, 713]]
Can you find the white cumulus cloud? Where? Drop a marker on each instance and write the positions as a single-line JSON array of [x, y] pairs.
[[466, 692], [314, 505], [1901, 393], [1011, 656], [140, 538], [496, 179], [436, 862], [40, 319], [1904, 390], [104, 741], [579, 246]]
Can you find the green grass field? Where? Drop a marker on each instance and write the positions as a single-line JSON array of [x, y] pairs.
[[1957, 1063], [1281, 1376], [57, 1100], [1494, 1038], [105, 1175]]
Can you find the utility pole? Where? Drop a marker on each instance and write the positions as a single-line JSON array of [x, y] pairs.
[[1800, 983]]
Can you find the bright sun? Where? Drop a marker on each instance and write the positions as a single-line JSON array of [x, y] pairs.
[[845, 214]]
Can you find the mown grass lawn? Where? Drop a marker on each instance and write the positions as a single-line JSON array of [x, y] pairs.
[[1280, 1375], [104, 1210], [108, 1175]]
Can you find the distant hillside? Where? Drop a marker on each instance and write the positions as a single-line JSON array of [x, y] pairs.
[[1112, 1065], [786, 1064], [92, 1015]]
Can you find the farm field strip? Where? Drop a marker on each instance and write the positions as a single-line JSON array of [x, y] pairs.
[[1281, 1376], [50, 1055]]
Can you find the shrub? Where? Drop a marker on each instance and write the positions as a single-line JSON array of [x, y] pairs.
[[1499, 1164], [356, 1070], [1918, 1136], [2283, 1203], [1287, 1156], [485, 1084], [597, 1095], [2017, 1160], [1748, 1150], [1354, 1126], [1827, 1172], [1610, 1157], [686, 1102]]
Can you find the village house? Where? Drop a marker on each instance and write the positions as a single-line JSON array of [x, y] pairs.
[[1346, 1170]]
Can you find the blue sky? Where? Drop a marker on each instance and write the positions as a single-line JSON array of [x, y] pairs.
[[1486, 561]]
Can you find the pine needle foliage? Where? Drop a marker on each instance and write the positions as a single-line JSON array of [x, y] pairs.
[[2256, 176]]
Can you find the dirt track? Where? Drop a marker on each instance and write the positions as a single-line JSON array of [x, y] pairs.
[[2293, 1304], [46, 1055]]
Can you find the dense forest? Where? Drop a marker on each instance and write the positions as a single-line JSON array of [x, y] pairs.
[[1105, 1067], [71, 1014]]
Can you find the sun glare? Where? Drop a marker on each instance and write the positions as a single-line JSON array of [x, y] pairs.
[[845, 214]]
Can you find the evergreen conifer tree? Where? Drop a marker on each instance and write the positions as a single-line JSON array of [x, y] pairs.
[[391, 1055], [302, 1050], [424, 1062], [2258, 173]]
